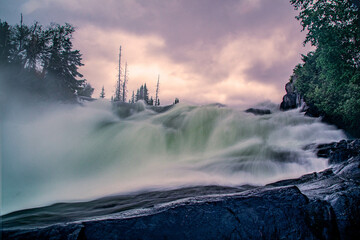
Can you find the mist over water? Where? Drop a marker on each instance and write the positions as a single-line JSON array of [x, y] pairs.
[[62, 153]]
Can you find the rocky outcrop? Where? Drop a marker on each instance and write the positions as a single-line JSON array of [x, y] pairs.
[[291, 99], [324, 205], [339, 152], [269, 213], [294, 99], [257, 111]]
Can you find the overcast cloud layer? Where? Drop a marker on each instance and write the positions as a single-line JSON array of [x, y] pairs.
[[231, 51]]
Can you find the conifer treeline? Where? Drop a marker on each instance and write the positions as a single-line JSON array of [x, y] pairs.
[[41, 60], [142, 93]]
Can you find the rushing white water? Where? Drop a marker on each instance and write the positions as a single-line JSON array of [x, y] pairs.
[[69, 153]]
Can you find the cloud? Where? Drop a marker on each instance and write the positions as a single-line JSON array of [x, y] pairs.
[[101, 52], [204, 50]]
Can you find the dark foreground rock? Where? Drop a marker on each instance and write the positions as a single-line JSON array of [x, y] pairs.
[[257, 111], [324, 205], [270, 213]]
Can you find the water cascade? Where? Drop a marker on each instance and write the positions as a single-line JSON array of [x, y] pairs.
[[72, 153]]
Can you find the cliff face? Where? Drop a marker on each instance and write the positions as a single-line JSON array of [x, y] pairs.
[[324, 205]]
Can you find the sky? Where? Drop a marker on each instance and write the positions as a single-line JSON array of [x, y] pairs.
[[235, 52]]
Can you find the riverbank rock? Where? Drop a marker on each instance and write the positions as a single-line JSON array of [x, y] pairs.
[[339, 152], [124, 109], [291, 99], [257, 111], [322, 205], [294, 99], [269, 213]]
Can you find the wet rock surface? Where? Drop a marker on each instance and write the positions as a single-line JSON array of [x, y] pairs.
[[295, 99], [339, 152], [291, 99], [257, 111], [323, 205]]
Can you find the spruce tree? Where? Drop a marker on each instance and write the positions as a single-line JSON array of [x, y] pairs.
[[137, 95], [62, 62], [86, 91], [43, 59], [141, 91], [146, 94], [5, 42], [102, 94]]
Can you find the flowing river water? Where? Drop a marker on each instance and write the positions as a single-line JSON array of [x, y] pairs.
[[80, 153]]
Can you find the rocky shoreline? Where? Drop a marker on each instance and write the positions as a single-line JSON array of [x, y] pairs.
[[323, 205], [294, 99]]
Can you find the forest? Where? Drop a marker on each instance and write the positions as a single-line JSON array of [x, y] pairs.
[[40, 62], [329, 77]]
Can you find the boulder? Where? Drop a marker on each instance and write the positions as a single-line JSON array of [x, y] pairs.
[[289, 87], [257, 111], [291, 99], [339, 152], [310, 110]]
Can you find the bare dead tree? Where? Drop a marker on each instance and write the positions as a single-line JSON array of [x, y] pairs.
[[157, 91], [118, 85], [124, 87]]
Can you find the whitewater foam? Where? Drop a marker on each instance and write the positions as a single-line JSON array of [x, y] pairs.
[[71, 153]]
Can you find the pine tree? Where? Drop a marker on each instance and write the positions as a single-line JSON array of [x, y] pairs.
[[137, 95], [146, 94], [141, 91], [133, 97], [102, 94], [35, 47], [5, 42], [61, 62], [86, 91], [43, 58], [151, 101], [158, 102], [20, 37]]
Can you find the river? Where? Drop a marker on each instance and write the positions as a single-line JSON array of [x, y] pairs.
[[71, 153]]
